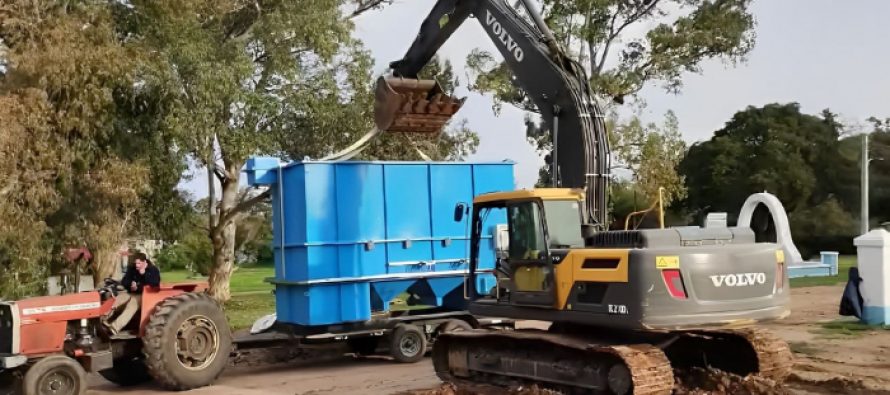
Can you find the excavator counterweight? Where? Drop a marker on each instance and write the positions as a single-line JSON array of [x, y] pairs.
[[407, 105]]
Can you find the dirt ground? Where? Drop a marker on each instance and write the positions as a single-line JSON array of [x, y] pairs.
[[831, 358]]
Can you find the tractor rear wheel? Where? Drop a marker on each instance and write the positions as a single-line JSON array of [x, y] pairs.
[[55, 375], [187, 342], [127, 372]]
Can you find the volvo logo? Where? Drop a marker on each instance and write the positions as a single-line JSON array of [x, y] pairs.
[[505, 37], [738, 279]]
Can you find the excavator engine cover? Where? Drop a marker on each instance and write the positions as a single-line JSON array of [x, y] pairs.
[[407, 105]]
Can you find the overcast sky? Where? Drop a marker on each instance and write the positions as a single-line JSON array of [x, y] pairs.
[[819, 53]]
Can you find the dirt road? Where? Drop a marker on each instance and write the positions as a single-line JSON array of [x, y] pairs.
[[831, 358], [347, 376]]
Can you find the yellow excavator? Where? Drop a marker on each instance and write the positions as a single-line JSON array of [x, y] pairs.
[[628, 308]]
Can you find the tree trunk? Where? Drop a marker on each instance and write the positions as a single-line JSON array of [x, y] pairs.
[[104, 241], [104, 260], [223, 236], [223, 262]]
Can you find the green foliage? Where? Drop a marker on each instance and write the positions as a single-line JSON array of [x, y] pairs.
[[193, 252], [652, 153], [677, 37], [774, 148], [283, 78], [777, 149], [66, 66], [849, 188]]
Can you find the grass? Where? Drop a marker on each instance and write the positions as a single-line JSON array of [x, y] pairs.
[[243, 309], [251, 296], [845, 329], [844, 264]]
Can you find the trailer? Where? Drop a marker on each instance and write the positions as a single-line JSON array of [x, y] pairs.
[[370, 255]]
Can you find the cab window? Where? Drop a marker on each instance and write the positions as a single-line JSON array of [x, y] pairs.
[[564, 223], [526, 232]]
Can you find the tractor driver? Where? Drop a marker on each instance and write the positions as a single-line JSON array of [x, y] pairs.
[[142, 273]]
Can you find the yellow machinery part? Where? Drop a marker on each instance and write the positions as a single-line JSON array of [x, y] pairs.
[[572, 270]]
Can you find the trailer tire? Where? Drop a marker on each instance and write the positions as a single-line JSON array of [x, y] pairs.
[[127, 372], [454, 325], [187, 342], [407, 343], [56, 374]]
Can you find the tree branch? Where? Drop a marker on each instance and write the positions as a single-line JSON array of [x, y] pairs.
[[243, 207], [364, 6], [614, 33]]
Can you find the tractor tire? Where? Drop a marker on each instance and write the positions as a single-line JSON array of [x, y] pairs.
[[55, 375], [407, 343], [127, 372], [187, 342]]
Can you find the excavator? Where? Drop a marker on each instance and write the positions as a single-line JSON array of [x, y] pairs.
[[629, 309]]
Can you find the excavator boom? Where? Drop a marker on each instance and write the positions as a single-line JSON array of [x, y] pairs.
[[555, 83]]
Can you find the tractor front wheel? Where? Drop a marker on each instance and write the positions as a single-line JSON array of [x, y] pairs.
[[187, 342], [55, 375]]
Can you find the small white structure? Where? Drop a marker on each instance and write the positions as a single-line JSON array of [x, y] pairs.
[[797, 267], [780, 219], [873, 258]]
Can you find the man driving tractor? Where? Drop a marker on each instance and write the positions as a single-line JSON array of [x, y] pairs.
[[140, 274]]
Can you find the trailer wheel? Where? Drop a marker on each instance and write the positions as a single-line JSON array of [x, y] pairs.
[[55, 375], [407, 343], [187, 342], [455, 325], [127, 372]]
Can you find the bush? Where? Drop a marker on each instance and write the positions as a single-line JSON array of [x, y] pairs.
[[193, 253], [172, 257]]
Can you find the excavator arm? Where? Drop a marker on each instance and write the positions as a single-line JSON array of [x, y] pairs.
[[555, 83]]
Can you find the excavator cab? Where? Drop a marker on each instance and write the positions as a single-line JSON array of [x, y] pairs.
[[407, 105], [542, 225]]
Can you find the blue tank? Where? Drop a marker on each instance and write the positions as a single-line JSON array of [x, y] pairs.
[[351, 236]]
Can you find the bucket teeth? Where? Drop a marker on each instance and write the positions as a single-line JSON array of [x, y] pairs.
[[412, 106]]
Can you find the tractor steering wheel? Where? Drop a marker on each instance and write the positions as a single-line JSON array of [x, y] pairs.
[[111, 288]]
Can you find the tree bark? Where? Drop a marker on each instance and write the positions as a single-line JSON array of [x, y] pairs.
[[104, 260], [223, 236]]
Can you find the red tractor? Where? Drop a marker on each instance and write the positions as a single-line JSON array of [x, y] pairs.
[[180, 338]]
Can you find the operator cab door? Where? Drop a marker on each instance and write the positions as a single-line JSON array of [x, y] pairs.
[[532, 278]]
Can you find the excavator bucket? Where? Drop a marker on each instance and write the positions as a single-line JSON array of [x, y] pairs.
[[405, 105]]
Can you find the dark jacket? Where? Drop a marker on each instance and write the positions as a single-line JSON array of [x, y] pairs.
[[152, 277], [851, 301]]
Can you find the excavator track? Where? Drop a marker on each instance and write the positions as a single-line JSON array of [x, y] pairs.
[[574, 361], [774, 357], [748, 351], [562, 362]]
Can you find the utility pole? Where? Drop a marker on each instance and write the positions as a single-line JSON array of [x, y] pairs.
[[863, 220]]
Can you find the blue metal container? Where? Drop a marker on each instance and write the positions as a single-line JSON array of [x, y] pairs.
[[351, 236]]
